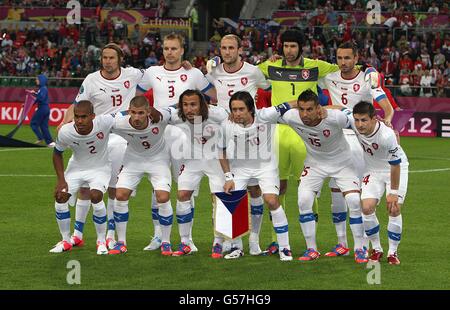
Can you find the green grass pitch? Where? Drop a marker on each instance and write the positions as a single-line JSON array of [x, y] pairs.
[[28, 230]]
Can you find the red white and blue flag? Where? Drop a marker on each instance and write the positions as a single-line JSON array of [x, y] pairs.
[[29, 102], [232, 216]]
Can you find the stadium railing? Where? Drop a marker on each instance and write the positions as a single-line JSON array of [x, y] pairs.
[[29, 81]]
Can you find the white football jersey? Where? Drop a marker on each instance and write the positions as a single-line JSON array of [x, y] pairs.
[[325, 143], [202, 135], [348, 93], [91, 150], [110, 96], [247, 78], [251, 147], [381, 149], [168, 85], [148, 142]]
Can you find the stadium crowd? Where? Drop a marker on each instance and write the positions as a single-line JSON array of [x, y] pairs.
[[161, 5], [405, 51]]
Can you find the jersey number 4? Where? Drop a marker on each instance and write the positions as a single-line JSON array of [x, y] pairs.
[[366, 179]]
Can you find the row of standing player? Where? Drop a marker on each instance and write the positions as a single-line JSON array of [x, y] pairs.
[[233, 79]]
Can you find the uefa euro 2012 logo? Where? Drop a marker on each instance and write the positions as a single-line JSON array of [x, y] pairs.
[[74, 15], [373, 12]]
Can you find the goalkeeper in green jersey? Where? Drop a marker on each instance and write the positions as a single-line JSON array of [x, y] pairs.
[[291, 76]]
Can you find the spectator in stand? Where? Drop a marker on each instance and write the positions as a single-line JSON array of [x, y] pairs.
[[433, 9], [419, 65], [135, 36], [199, 60], [425, 82], [425, 57], [406, 63], [439, 58], [404, 83], [193, 14], [388, 68], [151, 60], [73, 33]]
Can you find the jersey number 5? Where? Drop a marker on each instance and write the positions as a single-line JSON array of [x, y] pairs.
[[116, 100]]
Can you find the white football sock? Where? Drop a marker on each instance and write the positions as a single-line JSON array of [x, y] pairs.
[[184, 219], [110, 216], [63, 220], [165, 220], [280, 225], [395, 226], [339, 213], [372, 229], [121, 220], [81, 212], [99, 216]]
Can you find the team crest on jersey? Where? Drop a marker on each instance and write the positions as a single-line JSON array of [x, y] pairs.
[[155, 130], [126, 84], [356, 87], [375, 146], [244, 81], [326, 133], [100, 135], [183, 77], [305, 74]]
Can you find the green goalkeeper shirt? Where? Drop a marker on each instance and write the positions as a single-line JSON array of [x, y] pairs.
[[289, 82]]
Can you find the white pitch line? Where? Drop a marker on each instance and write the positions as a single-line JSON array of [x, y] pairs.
[[28, 175], [432, 158], [24, 149], [430, 170]]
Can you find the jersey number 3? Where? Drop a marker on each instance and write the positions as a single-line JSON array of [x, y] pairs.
[[171, 91]]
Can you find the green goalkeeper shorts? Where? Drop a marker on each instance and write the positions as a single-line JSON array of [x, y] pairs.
[[291, 152]]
